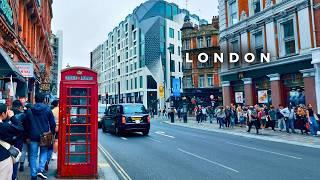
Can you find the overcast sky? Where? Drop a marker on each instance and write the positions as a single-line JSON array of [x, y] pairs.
[[85, 24]]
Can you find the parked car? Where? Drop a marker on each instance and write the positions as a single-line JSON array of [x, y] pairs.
[[122, 118], [102, 108]]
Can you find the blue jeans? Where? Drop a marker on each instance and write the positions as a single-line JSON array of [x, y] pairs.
[[290, 125], [221, 122], [33, 150], [50, 152], [313, 126]]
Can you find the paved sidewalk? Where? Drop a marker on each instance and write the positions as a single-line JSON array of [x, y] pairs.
[[265, 134], [104, 169]]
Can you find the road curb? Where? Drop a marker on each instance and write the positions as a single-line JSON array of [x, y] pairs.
[[248, 136], [121, 173]]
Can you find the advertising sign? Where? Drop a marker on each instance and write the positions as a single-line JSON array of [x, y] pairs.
[[239, 97], [26, 69], [176, 87], [263, 96], [161, 91]]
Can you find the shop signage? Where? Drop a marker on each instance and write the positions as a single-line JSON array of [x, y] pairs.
[[239, 97], [161, 91], [176, 87], [26, 69], [45, 86], [6, 10]]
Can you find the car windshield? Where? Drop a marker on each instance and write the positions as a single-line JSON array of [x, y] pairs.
[[134, 109]]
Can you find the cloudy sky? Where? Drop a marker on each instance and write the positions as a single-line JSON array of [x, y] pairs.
[[85, 24]]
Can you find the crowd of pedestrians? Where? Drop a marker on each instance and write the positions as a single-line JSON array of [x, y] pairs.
[[287, 119], [28, 132]]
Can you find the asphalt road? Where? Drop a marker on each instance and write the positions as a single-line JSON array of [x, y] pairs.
[[173, 152]]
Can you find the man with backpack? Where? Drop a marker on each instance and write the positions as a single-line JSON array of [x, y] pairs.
[[41, 128]]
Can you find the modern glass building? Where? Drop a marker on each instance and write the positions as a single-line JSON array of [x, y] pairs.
[[136, 57]]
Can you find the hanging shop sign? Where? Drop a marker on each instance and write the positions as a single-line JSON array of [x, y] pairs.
[[263, 96], [6, 11], [26, 69]]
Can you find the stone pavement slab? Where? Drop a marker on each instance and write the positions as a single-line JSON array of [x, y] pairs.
[[264, 134], [104, 169]]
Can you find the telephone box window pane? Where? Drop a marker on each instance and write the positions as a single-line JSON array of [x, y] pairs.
[[78, 139], [79, 120], [80, 92], [79, 111], [79, 101], [78, 129], [75, 148], [83, 158]]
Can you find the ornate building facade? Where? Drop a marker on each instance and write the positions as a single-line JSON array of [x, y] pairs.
[[25, 31], [201, 80], [289, 31]]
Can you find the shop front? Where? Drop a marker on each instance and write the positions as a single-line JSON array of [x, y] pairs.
[[12, 84]]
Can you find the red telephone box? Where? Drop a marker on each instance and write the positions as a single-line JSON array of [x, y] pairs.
[[78, 124]]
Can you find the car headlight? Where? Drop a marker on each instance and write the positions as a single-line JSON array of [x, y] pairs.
[[99, 119]]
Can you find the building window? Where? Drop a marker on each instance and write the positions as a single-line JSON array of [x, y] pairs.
[[134, 35], [200, 42], [210, 80], [172, 66], [141, 82], [179, 66], [135, 83], [210, 62], [208, 41], [171, 47], [258, 41], [171, 33], [127, 83], [179, 35], [233, 12], [187, 44], [201, 81], [256, 6], [189, 82], [179, 50], [289, 38]]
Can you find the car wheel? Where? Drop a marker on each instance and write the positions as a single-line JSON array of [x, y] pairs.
[[117, 131], [103, 128], [145, 133]]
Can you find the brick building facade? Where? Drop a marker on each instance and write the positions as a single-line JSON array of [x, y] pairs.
[[25, 31]]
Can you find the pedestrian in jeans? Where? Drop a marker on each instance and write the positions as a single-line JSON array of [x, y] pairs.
[[40, 120], [10, 127], [221, 115], [313, 120], [228, 116], [290, 117], [272, 117], [253, 118], [280, 117], [19, 114]]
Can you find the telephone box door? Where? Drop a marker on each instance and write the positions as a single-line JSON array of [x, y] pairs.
[[78, 130]]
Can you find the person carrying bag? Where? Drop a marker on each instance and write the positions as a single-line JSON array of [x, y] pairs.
[[10, 128]]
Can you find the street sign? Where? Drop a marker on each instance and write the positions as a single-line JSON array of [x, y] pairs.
[[26, 69], [176, 87], [161, 91]]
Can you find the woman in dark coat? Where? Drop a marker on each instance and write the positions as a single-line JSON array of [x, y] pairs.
[[301, 119]]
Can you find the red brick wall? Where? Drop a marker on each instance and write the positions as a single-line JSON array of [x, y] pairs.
[[317, 23], [226, 93], [249, 95], [276, 93]]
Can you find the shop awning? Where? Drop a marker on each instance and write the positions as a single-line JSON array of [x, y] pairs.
[[7, 68]]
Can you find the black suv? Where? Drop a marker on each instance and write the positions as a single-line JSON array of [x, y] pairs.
[[123, 118]]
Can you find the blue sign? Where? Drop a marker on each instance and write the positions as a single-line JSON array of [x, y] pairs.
[[176, 87]]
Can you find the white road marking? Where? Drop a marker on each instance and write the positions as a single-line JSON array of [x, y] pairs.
[[164, 134], [123, 138], [121, 171], [263, 150], [207, 160], [152, 139]]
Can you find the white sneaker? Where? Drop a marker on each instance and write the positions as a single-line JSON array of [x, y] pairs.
[[54, 156]]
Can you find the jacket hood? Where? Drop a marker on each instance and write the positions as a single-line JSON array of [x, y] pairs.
[[39, 108]]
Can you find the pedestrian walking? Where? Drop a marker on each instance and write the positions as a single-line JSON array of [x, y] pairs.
[[10, 127], [281, 120], [41, 128], [221, 115], [253, 118], [271, 118], [313, 120], [240, 115], [233, 116], [204, 114], [20, 140], [264, 114], [302, 119], [289, 118], [228, 116]]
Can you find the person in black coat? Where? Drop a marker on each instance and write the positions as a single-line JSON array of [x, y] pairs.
[[10, 129]]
